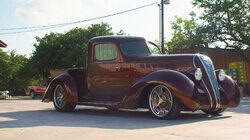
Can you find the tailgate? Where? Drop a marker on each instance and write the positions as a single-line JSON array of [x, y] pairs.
[[55, 73]]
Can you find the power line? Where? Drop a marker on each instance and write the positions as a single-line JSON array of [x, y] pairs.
[[45, 27], [31, 30]]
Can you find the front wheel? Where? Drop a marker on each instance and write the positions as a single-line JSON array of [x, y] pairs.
[[59, 100], [162, 103], [216, 112], [32, 94]]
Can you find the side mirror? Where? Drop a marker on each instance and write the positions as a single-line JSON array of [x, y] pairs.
[[154, 48]]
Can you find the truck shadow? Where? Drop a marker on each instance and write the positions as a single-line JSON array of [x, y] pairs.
[[97, 118], [244, 107]]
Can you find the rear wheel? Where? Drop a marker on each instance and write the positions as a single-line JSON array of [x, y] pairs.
[[32, 94], [59, 100], [162, 103], [216, 112]]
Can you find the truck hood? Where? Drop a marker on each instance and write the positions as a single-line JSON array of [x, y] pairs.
[[151, 57]]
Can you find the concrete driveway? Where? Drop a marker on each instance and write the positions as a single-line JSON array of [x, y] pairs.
[[31, 119]]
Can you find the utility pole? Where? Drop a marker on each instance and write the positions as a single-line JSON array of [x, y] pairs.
[[161, 5]]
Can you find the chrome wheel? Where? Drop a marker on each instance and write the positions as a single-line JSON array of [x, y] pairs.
[[160, 101], [59, 95]]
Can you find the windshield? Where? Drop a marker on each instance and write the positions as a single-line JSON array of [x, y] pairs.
[[134, 47]]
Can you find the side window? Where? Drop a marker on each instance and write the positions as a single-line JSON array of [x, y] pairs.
[[104, 52]]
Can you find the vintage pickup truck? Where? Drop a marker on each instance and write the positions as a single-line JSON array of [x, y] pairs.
[[122, 73]]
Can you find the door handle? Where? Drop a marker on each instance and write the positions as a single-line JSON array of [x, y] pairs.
[[118, 68]]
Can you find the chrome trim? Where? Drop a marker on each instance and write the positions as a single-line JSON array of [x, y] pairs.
[[219, 75], [210, 97], [198, 70], [216, 94], [99, 103]]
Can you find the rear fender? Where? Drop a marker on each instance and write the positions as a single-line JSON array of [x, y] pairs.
[[68, 83], [179, 84]]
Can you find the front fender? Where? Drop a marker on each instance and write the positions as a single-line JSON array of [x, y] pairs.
[[179, 84], [230, 93], [68, 83]]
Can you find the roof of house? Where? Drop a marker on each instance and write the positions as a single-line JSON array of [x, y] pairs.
[[2, 44]]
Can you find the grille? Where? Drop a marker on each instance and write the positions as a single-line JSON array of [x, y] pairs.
[[209, 68]]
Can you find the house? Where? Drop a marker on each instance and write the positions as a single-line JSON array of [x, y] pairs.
[[2, 44]]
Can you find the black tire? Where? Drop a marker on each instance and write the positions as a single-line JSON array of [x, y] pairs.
[[63, 107], [32, 94], [217, 112], [174, 109]]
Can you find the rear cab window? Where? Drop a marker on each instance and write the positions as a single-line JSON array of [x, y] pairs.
[[105, 52]]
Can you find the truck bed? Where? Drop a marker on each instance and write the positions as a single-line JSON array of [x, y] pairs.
[[57, 72], [79, 76]]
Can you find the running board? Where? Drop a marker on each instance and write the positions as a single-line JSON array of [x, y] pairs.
[[102, 104]]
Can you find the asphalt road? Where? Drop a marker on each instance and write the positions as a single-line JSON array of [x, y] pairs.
[[31, 119]]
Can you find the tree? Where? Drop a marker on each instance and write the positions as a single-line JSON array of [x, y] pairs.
[[4, 69], [227, 21], [121, 32], [223, 24], [187, 34], [67, 50], [12, 76]]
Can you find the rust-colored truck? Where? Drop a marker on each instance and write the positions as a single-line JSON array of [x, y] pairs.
[[39, 89], [121, 72]]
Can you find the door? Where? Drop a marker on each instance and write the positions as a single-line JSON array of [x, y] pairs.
[[104, 74]]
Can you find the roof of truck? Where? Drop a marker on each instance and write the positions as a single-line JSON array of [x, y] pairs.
[[115, 39]]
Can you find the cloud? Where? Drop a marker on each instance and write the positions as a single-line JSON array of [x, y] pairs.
[[54, 11], [50, 11]]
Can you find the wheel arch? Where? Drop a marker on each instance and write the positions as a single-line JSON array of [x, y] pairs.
[[68, 82], [144, 95], [179, 84]]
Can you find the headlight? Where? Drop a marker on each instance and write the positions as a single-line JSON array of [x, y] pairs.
[[222, 75], [198, 74]]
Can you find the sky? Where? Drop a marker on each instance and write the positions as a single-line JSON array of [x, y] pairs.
[[143, 22]]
